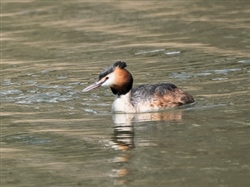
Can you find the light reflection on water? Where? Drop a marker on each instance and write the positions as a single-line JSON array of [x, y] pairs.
[[54, 135]]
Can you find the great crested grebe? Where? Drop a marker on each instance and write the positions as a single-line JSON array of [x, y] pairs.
[[144, 98]]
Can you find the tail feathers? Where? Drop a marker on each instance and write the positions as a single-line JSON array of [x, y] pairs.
[[185, 99], [174, 97]]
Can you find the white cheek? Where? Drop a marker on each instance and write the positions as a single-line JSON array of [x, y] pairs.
[[110, 81]]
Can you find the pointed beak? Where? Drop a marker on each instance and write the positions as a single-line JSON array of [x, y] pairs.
[[93, 86]]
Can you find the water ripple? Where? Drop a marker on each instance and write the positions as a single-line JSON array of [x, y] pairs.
[[54, 86], [244, 61], [10, 92]]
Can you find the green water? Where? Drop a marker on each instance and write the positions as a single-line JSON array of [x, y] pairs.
[[52, 134]]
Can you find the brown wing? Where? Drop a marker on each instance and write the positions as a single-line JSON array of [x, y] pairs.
[[161, 95], [171, 98]]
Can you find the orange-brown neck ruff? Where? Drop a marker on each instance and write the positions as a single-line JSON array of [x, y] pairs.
[[123, 81]]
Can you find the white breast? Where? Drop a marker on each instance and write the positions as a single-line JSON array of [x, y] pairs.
[[122, 104]]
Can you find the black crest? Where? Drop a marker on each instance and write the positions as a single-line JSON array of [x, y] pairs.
[[121, 64], [111, 68]]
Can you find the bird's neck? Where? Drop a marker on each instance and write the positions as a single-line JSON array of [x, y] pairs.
[[122, 104]]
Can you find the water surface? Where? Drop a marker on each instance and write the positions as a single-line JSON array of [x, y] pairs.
[[52, 134]]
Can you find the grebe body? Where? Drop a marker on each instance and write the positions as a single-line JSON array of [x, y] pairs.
[[144, 98]]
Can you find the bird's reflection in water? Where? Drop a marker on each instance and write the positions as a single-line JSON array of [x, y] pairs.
[[123, 131], [124, 134]]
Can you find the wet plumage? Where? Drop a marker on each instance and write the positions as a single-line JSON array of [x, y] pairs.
[[159, 96], [144, 98]]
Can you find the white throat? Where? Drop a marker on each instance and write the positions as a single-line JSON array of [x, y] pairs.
[[122, 104]]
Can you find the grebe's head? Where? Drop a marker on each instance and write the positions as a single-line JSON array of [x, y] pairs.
[[116, 77]]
